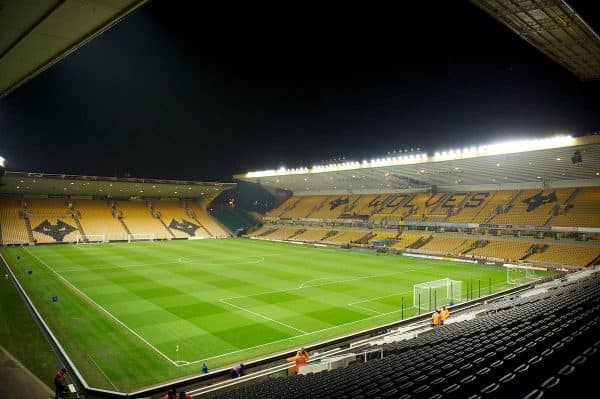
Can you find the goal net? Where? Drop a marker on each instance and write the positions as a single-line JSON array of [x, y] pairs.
[[90, 239], [431, 294], [140, 237], [520, 274]]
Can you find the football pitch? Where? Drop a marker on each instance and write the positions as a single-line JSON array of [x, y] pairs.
[[134, 315]]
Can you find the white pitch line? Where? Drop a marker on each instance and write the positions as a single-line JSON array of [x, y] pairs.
[[103, 373], [246, 262], [90, 300], [298, 336], [363, 308], [263, 316], [315, 279], [181, 259], [316, 285], [379, 297]]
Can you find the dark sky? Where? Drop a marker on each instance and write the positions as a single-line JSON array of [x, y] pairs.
[[202, 94]]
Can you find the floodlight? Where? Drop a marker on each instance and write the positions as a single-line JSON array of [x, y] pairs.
[[2, 162]]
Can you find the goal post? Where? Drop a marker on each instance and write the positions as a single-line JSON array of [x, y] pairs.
[[141, 237], [431, 294], [520, 274], [90, 239]]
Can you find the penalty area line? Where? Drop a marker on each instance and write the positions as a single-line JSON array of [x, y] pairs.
[[262, 316], [298, 336]]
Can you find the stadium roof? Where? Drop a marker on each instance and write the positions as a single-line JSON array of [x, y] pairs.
[[48, 184], [36, 34], [552, 160], [554, 28]]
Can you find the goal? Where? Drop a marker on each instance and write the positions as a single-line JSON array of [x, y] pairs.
[[90, 239], [520, 274], [431, 294], [141, 237]]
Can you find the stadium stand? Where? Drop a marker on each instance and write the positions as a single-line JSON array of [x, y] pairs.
[[406, 240], [199, 214], [509, 250], [426, 206], [282, 233], [97, 218], [540, 346], [177, 220], [51, 221], [284, 207], [344, 237], [447, 245], [311, 235], [583, 211], [361, 206], [558, 255], [330, 208], [523, 207], [304, 207], [139, 219], [532, 207], [12, 223], [235, 219]]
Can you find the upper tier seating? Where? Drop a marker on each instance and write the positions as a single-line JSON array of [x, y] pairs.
[[331, 207], [427, 207], [584, 210], [527, 207], [304, 207], [533, 207]]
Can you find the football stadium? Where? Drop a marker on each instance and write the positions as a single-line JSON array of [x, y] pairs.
[[462, 272]]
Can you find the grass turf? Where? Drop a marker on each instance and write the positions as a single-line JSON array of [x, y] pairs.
[[20, 335], [125, 309]]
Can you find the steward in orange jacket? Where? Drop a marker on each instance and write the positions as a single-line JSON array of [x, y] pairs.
[[300, 359], [436, 318]]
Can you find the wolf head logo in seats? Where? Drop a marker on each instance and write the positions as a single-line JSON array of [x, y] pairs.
[[57, 231], [539, 199], [185, 226], [337, 202]]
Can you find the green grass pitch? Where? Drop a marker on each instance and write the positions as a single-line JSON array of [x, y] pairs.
[[124, 309]]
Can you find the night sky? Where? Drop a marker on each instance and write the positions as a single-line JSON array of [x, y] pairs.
[[203, 94]]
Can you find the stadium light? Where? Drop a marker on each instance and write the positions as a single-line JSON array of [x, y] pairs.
[[507, 147], [2, 162]]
